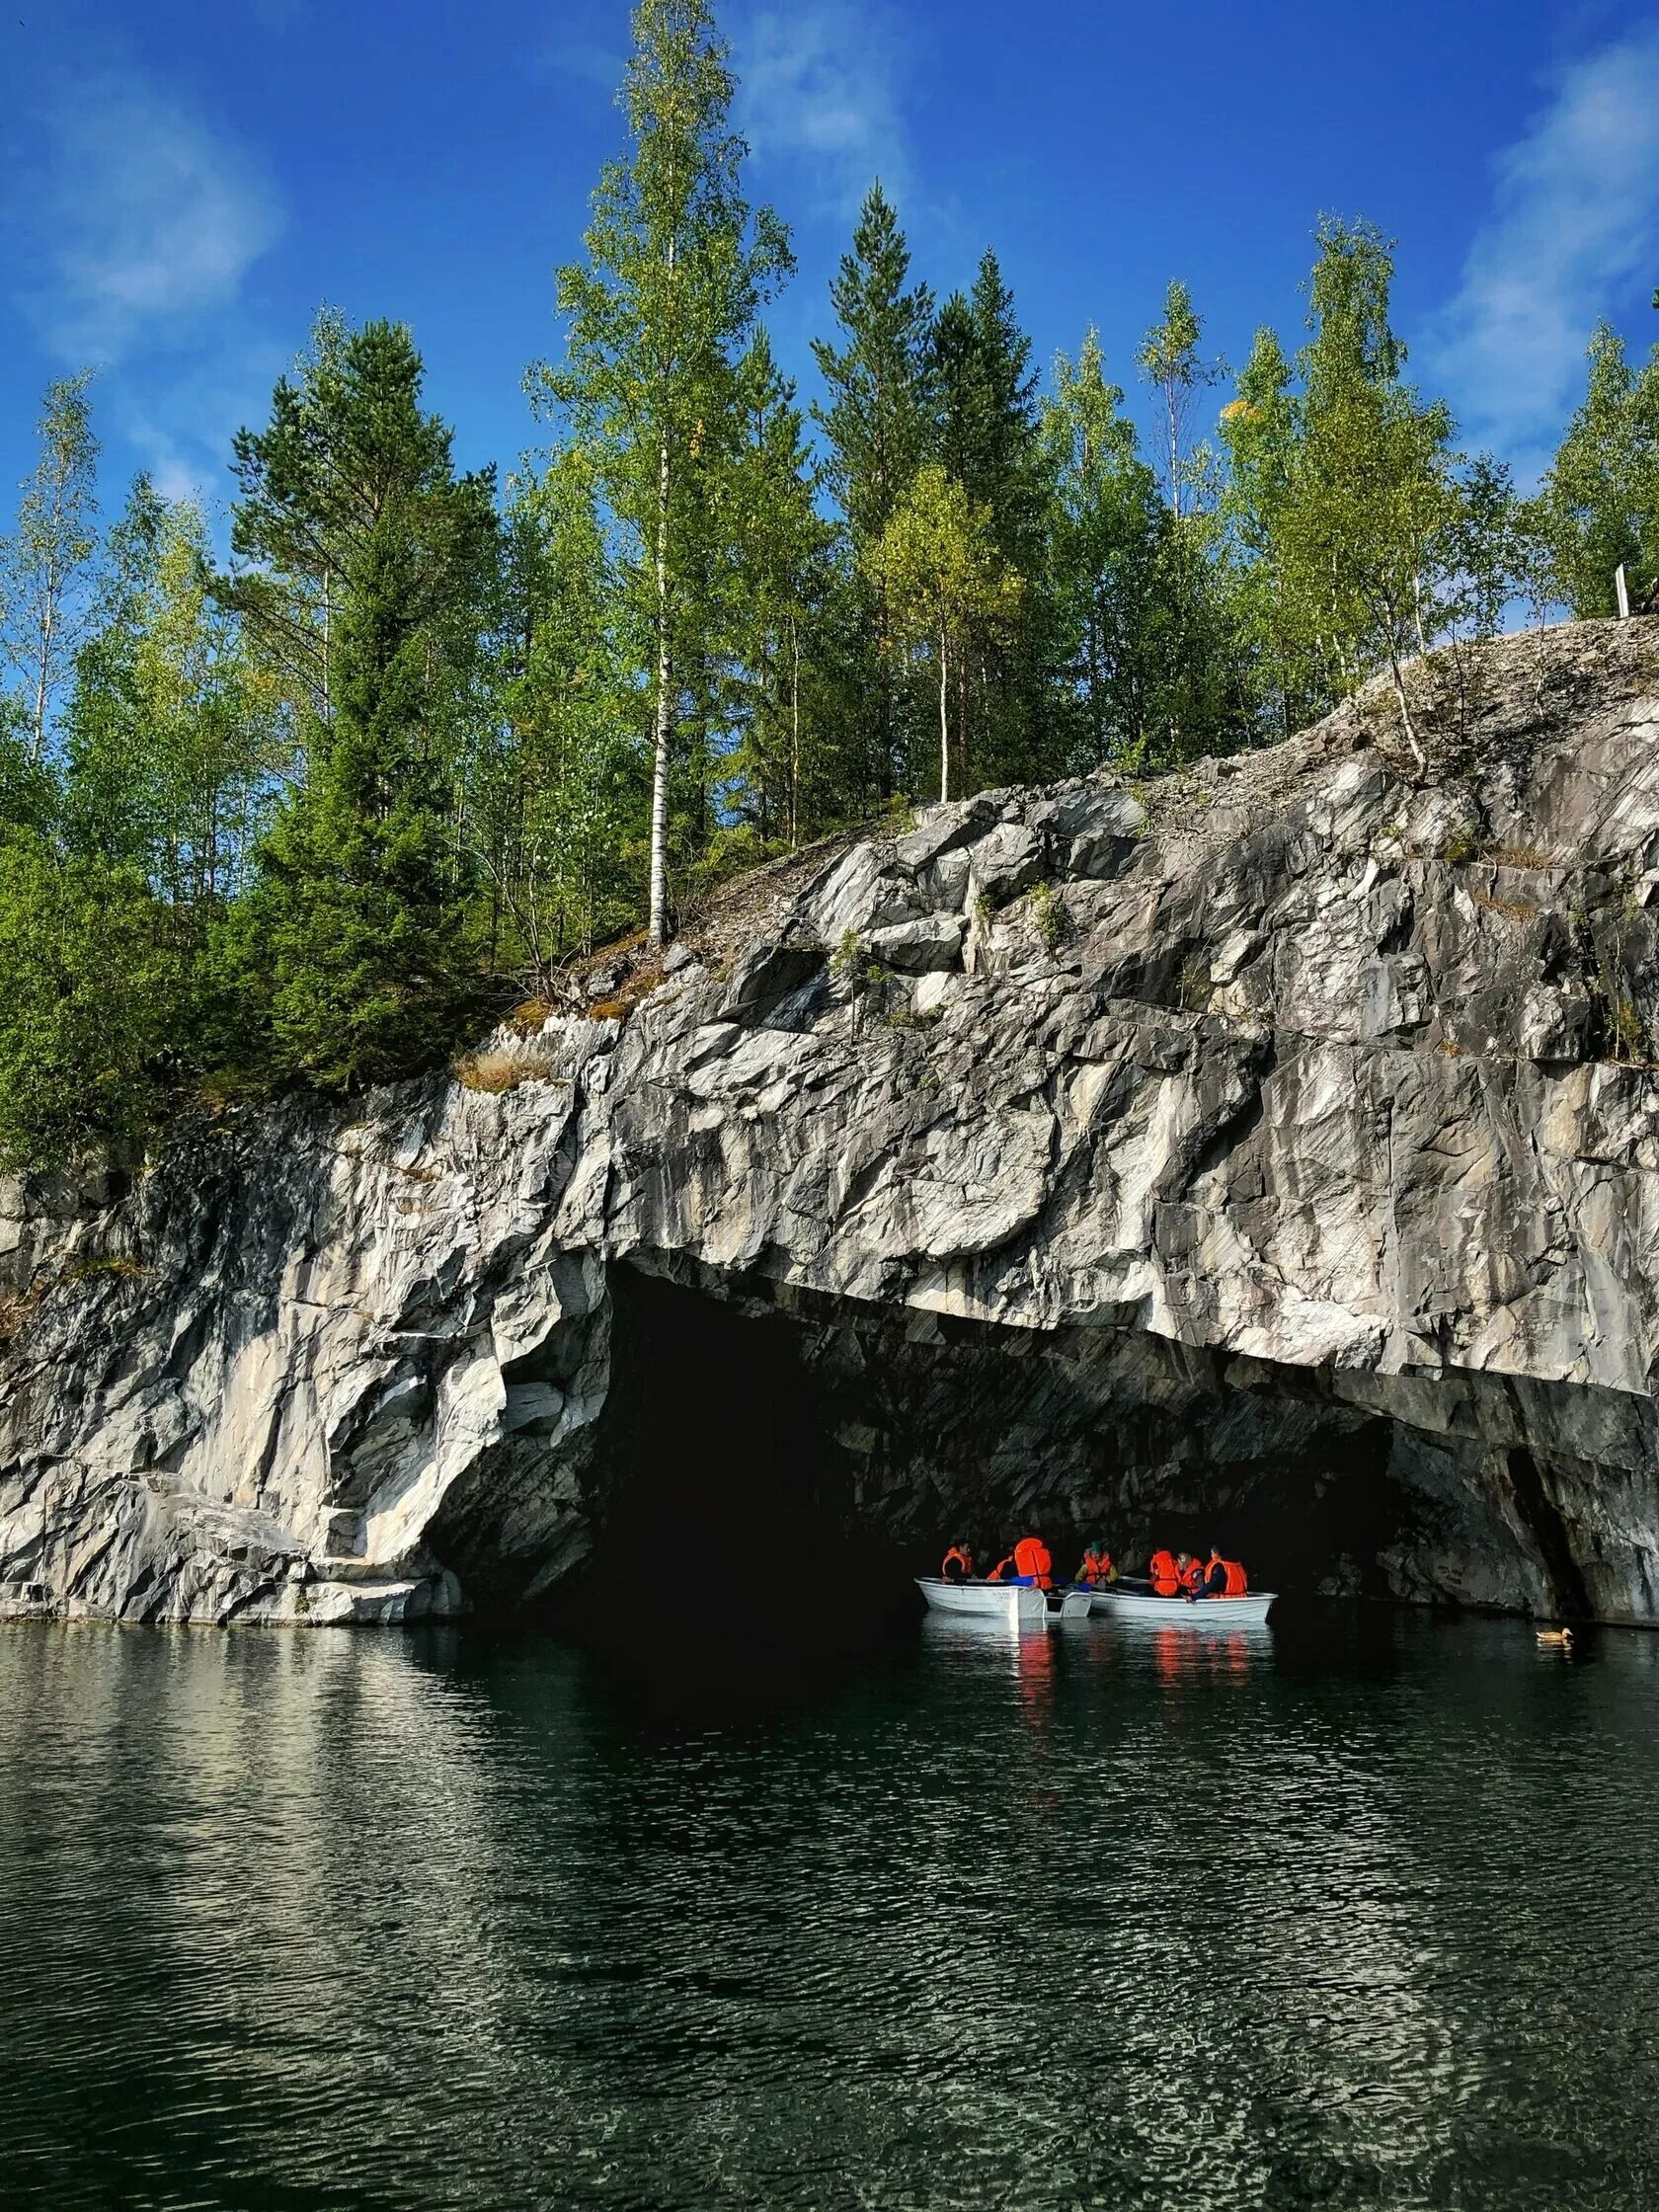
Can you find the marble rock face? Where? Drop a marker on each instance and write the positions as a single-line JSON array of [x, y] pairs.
[[1273, 1145]]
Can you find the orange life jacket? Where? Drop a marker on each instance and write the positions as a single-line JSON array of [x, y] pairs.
[[1165, 1580], [963, 1558], [1032, 1557], [1000, 1569], [1191, 1577], [1096, 1567], [1237, 1585]]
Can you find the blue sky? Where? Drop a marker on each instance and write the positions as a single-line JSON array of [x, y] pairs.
[[181, 183]]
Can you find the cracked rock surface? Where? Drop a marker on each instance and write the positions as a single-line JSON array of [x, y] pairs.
[[1278, 1141]]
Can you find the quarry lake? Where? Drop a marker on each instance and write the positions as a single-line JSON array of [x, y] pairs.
[[1329, 1917]]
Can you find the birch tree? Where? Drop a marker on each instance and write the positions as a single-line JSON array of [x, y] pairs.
[[1169, 359], [939, 564], [657, 316], [46, 565]]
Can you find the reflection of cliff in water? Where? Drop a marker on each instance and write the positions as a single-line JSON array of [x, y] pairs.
[[1089, 1913]]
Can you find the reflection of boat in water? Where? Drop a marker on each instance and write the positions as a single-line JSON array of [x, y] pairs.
[[1017, 1605], [1129, 1602]]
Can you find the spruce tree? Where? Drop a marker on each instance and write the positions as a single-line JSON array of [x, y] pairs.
[[987, 438], [877, 429]]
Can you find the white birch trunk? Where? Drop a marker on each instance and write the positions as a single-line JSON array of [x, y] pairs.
[[659, 917], [664, 713], [944, 721], [794, 732]]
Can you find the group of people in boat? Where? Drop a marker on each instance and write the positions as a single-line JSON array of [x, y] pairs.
[[1169, 1574]]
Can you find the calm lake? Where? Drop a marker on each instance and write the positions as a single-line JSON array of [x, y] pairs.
[[1095, 1917]]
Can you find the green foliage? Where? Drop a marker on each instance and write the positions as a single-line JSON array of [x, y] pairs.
[[555, 778], [1367, 537], [1049, 917], [878, 427], [777, 775], [88, 1004], [355, 944], [1105, 554], [304, 821], [1599, 506], [945, 580], [48, 564], [1169, 359], [658, 317]]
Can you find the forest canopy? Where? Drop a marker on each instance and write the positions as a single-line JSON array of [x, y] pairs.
[[315, 811]]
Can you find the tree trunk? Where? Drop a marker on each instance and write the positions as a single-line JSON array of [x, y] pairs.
[[944, 719], [794, 732], [659, 920], [658, 925]]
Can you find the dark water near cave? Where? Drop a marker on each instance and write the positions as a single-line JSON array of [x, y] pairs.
[[316, 1921]]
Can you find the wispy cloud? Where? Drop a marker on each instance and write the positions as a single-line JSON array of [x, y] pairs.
[[142, 219], [1574, 226], [585, 59], [819, 85]]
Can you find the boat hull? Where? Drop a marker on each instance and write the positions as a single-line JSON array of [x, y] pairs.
[[1017, 1605], [1248, 1612]]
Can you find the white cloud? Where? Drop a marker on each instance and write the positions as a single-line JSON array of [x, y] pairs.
[[818, 84], [1575, 227], [181, 416], [597, 64], [140, 220]]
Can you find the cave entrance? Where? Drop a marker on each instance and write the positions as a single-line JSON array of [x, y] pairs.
[[719, 1463], [752, 1431]]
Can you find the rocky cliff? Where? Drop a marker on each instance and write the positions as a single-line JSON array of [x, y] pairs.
[[1271, 1150]]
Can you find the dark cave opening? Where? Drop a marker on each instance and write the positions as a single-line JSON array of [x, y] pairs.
[[755, 1431]]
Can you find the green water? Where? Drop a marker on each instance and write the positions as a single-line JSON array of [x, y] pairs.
[[1086, 1919]]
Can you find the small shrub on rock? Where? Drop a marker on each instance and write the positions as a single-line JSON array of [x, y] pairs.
[[498, 1069]]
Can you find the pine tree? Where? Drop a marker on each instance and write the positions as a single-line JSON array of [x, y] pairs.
[[658, 313], [356, 933]]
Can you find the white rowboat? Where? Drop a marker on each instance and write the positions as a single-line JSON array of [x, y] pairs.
[[1175, 1612], [1017, 1604]]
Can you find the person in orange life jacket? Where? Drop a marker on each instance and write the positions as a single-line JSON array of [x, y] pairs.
[[1002, 1571], [1223, 1578], [1034, 1562], [1189, 1575], [1097, 1567], [959, 1564], [1165, 1575]]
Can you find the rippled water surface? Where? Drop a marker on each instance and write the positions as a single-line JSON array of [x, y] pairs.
[[1087, 1917]]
